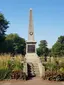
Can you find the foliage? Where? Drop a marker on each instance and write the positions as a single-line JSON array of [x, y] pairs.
[[3, 24], [43, 50], [9, 64], [14, 44], [18, 75], [54, 76], [58, 47], [3, 27], [55, 70]]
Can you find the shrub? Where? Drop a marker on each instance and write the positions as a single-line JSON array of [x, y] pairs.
[[54, 71], [10, 65], [5, 74]]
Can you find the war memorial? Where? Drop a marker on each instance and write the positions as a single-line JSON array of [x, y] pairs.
[[33, 62]]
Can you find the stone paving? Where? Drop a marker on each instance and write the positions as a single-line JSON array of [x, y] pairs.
[[34, 81]]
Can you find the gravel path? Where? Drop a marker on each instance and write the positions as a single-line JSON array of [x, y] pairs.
[[34, 81]]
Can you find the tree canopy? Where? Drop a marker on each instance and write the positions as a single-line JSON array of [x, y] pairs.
[[42, 50], [58, 47], [3, 27], [15, 44], [3, 24]]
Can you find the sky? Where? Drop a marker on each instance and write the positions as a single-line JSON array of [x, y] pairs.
[[48, 18]]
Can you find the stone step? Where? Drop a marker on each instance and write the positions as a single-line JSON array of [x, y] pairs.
[[34, 68]]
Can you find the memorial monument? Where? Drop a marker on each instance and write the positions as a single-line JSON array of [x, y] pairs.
[[31, 56]]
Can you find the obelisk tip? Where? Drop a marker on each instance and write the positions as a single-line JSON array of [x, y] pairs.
[[30, 8]]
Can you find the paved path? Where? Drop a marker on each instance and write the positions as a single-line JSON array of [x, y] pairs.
[[34, 81]]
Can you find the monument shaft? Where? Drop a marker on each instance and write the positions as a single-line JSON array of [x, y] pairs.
[[31, 44], [31, 27]]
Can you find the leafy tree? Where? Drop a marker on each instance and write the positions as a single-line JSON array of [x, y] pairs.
[[49, 52], [61, 39], [3, 24], [58, 47], [3, 27], [42, 50], [15, 44]]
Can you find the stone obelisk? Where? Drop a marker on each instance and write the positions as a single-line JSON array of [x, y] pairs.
[[30, 44], [31, 57]]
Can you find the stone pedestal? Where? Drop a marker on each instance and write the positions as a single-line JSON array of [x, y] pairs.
[[30, 47]]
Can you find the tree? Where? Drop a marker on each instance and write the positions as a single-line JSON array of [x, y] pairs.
[[3, 24], [58, 47], [49, 52], [42, 50], [15, 44], [61, 39], [3, 27]]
